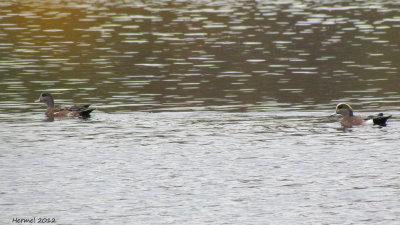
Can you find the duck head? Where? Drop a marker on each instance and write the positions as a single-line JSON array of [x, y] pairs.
[[46, 98], [344, 109]]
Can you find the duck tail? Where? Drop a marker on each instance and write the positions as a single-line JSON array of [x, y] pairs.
[[86, 113], [381, 119]]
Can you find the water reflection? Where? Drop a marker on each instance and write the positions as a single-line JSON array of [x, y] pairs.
[[158, 167]]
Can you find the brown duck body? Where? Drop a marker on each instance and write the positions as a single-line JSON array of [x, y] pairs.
[[349, 121], [71, 111]]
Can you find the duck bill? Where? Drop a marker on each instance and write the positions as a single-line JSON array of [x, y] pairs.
[[38, 100]]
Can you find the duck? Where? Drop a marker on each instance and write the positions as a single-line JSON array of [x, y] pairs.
[[71, 111], [349, 119]]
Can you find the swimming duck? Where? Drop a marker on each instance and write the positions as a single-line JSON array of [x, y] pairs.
[[350, 120], [71, 111]]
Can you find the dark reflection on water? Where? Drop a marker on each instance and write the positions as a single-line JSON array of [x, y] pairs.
[[208, 112], [126, 55]]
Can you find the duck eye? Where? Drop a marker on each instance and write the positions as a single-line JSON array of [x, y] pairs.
[[44, 94]]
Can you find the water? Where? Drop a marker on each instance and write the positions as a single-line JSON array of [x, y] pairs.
[[208, 112]]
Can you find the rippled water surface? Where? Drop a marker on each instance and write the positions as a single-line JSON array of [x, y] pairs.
[[207, 112]]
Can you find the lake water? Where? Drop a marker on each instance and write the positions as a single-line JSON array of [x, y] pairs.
[[207, 112]]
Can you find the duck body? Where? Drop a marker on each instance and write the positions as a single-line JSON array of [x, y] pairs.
[[71, 111], [350, 120]]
